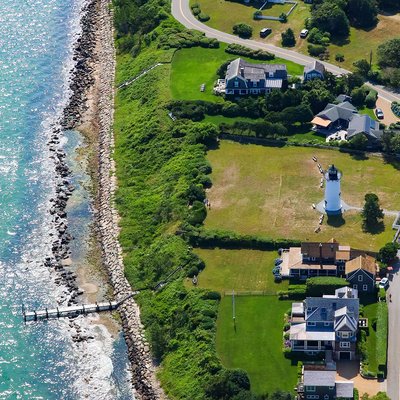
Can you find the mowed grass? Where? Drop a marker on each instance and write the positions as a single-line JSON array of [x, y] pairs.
[[225, 14], [238, 270], [370, 311], [256, 344], [269, 191], [194, 66]]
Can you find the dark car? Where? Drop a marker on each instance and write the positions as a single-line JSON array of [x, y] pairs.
[[379, 113], [265, 32]]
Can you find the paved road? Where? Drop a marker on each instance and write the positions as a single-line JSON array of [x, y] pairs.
[[393, 378], [182, 13]]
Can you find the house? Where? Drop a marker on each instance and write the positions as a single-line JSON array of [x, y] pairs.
[[315, 70], [361, 272], [323, 385], [327, 323], [243, 78], [344, 117]]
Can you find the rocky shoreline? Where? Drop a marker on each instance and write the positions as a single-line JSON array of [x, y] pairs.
[[91, 105]]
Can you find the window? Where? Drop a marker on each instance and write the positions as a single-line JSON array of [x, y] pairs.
[[345, 334], [365, 288], [236, 84], [326, 323], [310, 323], [345, 345], [310, 388], [331, 387], [254, 84], [355, 286], [271, 74], [360, 278], [326, 397]]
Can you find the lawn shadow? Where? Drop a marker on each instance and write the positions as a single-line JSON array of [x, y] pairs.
[[393, 161], [340, 40], [368, 298], [376, 229], [362, 156], [335, 221]]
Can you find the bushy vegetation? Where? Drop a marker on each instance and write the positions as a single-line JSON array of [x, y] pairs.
[[243, 30], [321, 285], [388, 252], [288, 38], [162, 173], [247, 52], [372, 214]]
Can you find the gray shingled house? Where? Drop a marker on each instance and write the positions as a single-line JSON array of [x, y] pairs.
[[327, 323], [344, 116], [361, 273], [243, 78], [323, 385], [315, 70]]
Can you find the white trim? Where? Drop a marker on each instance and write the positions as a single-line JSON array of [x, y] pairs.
[[344, 345]]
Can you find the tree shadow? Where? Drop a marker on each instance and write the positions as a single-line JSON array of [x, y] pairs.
[[335, 221], [362, 156], [393, 161], [375, 229], [340, 40]]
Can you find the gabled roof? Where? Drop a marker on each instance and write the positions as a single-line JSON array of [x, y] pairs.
[[345, 323], [315, 249], [333, 112], [342, 97], [319, 378], [345, 389], [363, 124], [364, 262], [254, 72], [315, 66]]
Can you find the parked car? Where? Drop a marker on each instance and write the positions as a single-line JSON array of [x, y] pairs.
[[278, 261], [304, 33], [278, 278], [276, 270], [384, 283], [265, 32], [379, 113]]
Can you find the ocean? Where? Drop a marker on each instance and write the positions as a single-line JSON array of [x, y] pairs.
[[40, 360]]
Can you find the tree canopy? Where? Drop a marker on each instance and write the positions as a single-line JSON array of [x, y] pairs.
[[330, 17], [288, 38], [389, 53], [362, 13], [243, 30], [372, 213]]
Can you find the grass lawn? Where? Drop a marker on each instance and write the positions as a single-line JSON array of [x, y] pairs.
[[256, 344], [368, 111], [306, 136], [370, 313], [194, 66], [224, 14], [239, 270], [270, 190]]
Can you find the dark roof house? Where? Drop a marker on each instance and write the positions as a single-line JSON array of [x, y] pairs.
[[315, 70], [244, 78], [361, 272]]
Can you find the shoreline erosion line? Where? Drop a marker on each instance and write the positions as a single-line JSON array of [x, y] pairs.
[[90, 111]]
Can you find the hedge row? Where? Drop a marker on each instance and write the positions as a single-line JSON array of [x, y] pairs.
[[381, 334], [370, 99], [396, 108], [321, 285], [239, 50], [232, 240], [176, 38], [254, 129]]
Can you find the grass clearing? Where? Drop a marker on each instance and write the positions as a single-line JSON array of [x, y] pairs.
[[256, 344], [239, 270], [270, 190], [370, 312], [368, 111], [224, 14], [194, 66]]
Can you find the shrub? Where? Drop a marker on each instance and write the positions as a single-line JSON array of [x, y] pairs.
[[243, 30], [339, 57], [196, 11], [388, 252], [321, 285], [193, 271], [288, 38], [211, 295], [315, 36], [370, 99], [246, 52], [257, 14], [286, 327], [195, 5], [396, 108], [316, 50], [283, 18], [203, 17]]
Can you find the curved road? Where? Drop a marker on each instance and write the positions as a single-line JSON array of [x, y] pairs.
[[181, 12]]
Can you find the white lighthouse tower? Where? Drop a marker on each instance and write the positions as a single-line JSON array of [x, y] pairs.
[[333, 202]]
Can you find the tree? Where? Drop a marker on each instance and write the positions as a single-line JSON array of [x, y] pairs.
[[372, 214], [388, 252], [288, 38], [391, 77], [243, 30], [330, 17], [358, 142], [363, 67], [362, 13], [227, 384], [389, 53], [358, 96], [339, 57]]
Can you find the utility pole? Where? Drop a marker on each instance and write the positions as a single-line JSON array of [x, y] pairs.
[[233, 310]]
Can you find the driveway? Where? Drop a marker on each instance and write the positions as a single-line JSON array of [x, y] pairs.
[[390, 118], [348, 371], [182, 13], [393, 378]]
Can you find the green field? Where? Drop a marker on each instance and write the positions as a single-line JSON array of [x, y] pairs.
[[239, 270], [370, 313], [270, 191], [224, 14], [256, 344], [194, 66]]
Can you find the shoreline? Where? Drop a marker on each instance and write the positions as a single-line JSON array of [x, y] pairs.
[[90, 111]]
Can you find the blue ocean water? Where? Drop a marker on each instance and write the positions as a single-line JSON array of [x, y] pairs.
[[40, 360]]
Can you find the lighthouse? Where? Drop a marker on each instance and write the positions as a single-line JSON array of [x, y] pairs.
[[333, 203]]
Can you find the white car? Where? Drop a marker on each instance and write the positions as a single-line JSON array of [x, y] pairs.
[[384, 283], [304, 33]]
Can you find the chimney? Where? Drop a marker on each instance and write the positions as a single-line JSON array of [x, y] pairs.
[[242, 71]]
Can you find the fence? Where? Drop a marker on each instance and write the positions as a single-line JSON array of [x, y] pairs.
[[251, 293]]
